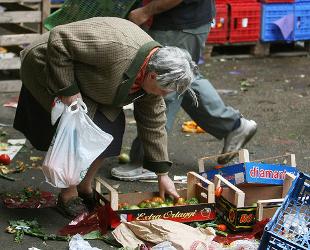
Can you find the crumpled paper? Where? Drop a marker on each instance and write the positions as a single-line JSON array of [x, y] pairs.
[[181, 236], [78, 243]]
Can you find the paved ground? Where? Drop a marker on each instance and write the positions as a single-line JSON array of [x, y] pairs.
[[278, 100]]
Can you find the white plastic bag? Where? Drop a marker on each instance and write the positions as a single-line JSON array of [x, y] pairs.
[[78, 141]]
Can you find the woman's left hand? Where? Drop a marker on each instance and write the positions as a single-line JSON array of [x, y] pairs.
[[166, 186], [70, 99]]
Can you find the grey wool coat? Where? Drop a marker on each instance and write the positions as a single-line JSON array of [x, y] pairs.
[[100, 58]]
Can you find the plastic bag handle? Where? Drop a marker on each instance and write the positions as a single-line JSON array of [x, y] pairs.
[[69, 108], [82, 105]]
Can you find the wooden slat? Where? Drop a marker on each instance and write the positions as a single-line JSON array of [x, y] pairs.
[[193, 179], [239, 198], [8, 40], [16, 28], [12, 63], [10, 86], [113, 194], [21, 17], [46, 11], [20, 1]]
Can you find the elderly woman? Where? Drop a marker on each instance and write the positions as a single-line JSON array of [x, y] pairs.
[[108, 62]]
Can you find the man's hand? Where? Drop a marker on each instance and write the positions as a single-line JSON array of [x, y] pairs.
[[166, 186], [138, 16], [70, 99]]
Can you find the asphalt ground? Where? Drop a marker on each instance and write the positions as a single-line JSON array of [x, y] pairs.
[[272, 91]]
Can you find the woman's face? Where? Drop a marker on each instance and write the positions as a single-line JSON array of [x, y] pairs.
[[151, 86]]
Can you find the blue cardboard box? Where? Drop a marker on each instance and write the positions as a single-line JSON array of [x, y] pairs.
[[252, 172]]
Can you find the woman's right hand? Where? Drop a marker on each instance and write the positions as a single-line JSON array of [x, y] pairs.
[[70, 99]]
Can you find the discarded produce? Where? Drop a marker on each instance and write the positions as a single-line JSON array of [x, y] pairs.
[[218, 192], [123, 158], [191, 127], [5, 159]]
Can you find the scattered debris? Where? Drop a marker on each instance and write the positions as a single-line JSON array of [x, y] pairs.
[[12, 147], [30, 198], [191, 127], [228, 92], [32, 228], [235, 72], [4, 170], [133, 234], [77, 243], [123, 158], [182, 178]]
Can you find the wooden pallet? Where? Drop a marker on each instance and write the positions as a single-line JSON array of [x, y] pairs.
[[255, 49], [20, 24]]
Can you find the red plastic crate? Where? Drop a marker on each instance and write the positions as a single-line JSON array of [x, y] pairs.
[[219, 30], [220, 2], [245, 22], [241, 1], [277, 1]]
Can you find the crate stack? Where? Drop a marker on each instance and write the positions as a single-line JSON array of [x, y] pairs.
[[237, 21], [20, 24], [285, 20]]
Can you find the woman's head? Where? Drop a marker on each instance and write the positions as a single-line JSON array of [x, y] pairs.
[[174, 69]]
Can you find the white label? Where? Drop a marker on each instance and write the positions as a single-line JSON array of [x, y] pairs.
[[239, 178], [245, 22], [213, 23]]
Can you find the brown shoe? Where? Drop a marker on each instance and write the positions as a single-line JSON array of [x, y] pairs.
[[72, 208]]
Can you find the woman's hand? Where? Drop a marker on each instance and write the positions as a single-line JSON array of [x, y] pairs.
[[70, 99], [166, 186]]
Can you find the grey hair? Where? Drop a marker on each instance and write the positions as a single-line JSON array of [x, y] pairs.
[[175, 70]]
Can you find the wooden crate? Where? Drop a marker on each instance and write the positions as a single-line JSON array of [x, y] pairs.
[[235, 205], [197, 186], [21, 23], [240, 207]]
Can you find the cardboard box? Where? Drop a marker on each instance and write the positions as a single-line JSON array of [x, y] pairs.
[[197, 186], [252, 172], [240, 207]]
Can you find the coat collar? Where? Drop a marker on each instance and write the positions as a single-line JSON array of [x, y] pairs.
[[122, 95]]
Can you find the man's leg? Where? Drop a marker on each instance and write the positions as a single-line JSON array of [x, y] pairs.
[[217, 119], [211, 114]]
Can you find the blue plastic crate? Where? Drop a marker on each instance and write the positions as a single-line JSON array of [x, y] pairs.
[[289, 228], [302, 1], [270, 13], [302, 22]]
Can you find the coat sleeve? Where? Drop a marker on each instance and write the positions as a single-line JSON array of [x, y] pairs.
[[59, 66], [149, 113]]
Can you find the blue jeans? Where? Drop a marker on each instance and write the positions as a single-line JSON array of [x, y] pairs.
[[212, 114]]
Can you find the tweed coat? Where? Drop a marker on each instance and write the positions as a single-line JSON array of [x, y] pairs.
[[100, 58]]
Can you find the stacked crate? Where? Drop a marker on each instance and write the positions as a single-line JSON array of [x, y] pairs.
[[295, 14], [244, 21], [219, 27], [236, 21], [302, 21], [20, 24]]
